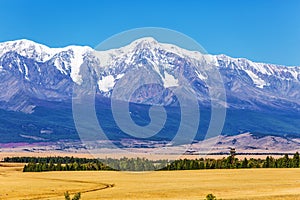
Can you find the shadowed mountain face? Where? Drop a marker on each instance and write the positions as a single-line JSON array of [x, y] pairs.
[[36, 84]]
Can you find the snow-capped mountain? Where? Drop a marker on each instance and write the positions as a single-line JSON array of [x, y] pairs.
[[31, 71]]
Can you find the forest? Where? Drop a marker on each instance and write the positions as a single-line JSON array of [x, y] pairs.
[[42, 164]]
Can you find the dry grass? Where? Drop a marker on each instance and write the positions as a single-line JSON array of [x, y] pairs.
[[226, 184]]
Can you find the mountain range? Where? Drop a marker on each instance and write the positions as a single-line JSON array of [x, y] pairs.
[[36, 87]]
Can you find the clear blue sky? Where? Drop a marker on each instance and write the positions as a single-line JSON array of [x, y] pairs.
[[261, 30]]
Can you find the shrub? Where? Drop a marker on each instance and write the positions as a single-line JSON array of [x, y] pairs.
[[211, 197], [77, 196]]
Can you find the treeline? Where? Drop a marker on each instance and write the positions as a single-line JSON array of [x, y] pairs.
[[234, 163], [135, 164], [123, 164], [40, 164], [44, 167], [62, 160]]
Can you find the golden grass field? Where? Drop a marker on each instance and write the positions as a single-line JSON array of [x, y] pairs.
[[225, 184]]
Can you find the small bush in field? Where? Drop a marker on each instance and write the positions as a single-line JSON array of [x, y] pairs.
[[211, 197], [77, 196]]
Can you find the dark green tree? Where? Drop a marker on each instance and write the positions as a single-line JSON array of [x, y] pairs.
[[267, 162], [211, 197], [245, 163], [296, 160], [77, 196], [286, 161], [67, 196]]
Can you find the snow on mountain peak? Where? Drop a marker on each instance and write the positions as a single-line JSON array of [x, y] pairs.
[[28, 49], [260, 72], [262, 75], [76, 60], [145, 40], [42, 53], [36, 51], [48, 69], [151, 44], [154, 52]]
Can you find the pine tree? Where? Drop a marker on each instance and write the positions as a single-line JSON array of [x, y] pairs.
[[245, 163], [266, 164], [285, 161], [211, 197], [296, 160], [77, 196], [67, 196]]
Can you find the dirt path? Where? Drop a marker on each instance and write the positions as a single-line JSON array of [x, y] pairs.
[[98, 187], [54, 185]]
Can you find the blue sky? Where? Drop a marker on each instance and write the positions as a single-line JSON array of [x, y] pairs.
[[266, 31]]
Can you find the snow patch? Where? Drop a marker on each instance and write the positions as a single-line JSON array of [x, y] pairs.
[[201, 76], [58, 65], [259, 67], [119, 76], [106, 83], [256, 80], [294, 74], [26, 72], [105, 57], [169, 80], [76, 62]]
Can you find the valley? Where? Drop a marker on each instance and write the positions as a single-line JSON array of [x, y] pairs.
[[236, 184]]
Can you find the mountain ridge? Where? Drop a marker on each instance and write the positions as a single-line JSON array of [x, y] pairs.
[[53, 71], [36, 89], [57, 49]]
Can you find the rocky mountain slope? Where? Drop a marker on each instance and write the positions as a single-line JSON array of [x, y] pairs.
[[30, 71], [38, 81]]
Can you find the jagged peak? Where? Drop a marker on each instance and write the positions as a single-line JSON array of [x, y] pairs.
[[37, 51], [43, 53], [148, 40]]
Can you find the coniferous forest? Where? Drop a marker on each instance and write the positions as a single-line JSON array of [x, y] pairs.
[[42, 164]]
